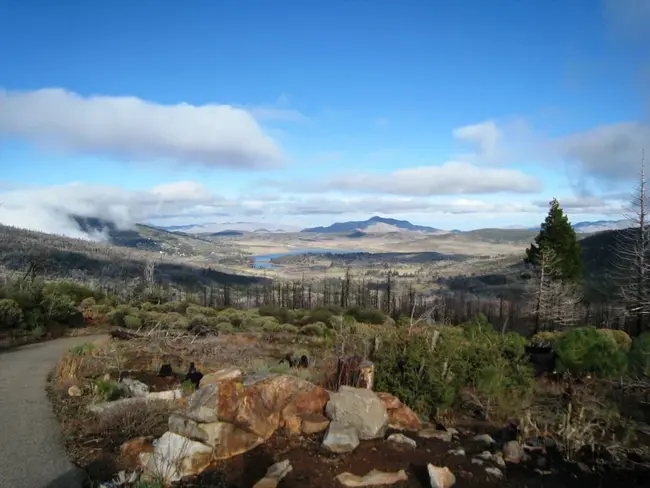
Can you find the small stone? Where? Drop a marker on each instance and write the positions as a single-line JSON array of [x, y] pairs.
[[512, 452], [457, 452], [430, 433], [373, 478], [496, 472], [74, 391], [477, 461], [165, 395], [274, 475], [340, 438], [440, 477], [498, 458], [485, 456], [402, 439], [483, 439], [452, 431], [136, 388]]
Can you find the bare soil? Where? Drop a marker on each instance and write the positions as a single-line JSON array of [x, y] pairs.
[[315, 468]]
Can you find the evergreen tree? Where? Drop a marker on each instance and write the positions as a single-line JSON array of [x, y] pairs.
[[557, 235]]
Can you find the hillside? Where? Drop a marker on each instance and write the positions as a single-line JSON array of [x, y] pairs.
[[374, 224], [54, 256]]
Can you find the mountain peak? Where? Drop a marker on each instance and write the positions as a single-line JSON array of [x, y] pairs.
[[375, 224]]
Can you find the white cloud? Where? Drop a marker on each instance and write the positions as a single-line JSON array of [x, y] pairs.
[[131, 128], [486, 138], [586, 205], [452, 178], [607, 152]]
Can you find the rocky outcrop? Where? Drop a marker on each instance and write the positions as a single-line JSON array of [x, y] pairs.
[[360, 409]]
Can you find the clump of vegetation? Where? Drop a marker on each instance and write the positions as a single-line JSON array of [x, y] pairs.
[[107, 390], [640, 355], [11, 315], [367, 315], [619, 337], [82, 349], [585, 350], [434, 369]]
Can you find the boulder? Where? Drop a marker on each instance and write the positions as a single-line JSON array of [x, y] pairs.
[[175, 456], [373, 478], [226, 374], [402, 439], [274, 475], [358, 408], [130, 451], [227, 440], [202, 404], [313, 423], [403, 418], [390, 401], [136, 388], [440, 477], [312, 399], [496, 472], [340, 438], [178, 424]]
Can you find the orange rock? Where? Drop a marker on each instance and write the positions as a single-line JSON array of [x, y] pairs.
[[390, 401], [313, 423], [403, 418], [130, 451], [226, 374], [228, 440], [311, 401], [292, 425]]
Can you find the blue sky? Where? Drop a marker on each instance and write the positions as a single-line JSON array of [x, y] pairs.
[[454, 114]]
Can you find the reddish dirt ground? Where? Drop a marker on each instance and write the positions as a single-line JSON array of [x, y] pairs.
[[314, 468]]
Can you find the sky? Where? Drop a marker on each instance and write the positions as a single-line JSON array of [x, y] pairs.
[[462, 115]]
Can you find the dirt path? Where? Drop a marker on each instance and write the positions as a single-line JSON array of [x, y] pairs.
[[31, 452]]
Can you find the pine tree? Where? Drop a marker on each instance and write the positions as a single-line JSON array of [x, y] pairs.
[[557, 235]]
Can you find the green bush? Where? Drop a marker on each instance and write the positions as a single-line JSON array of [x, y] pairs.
[[314, 329], [116, 318], [620, 338], [473, 357], [367, 315], [235, 317], [546, 337], [11, 315], [281, 314], [261, 322], [584, 350], [205, 311], [173, 320], [108, 390], [87, 303], [82, 349], [640, 355], [74, 291], [132, 322], [61, 309], [323, 315]]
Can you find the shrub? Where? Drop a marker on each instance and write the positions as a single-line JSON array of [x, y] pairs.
[[640, 355], [261, 322], [69, 289], [61, 309], [205, 311], [11, 315], [620, 338], [323, 315], [235, 317], [585, 350], [132, 322], [173, 320], [108, 390], [87, 303], [546, 337], [177, 307], [472, 358], [367, 315], [281, 314], [315, 329], [116, 318], [82, 349]]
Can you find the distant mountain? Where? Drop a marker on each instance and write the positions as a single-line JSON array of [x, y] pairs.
[[212, 227], [227, 233], [375, 224], [588, 227]]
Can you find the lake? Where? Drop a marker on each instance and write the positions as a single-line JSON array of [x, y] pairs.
[[264, 260]]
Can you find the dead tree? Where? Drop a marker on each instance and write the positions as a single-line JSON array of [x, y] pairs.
[[632, 255]]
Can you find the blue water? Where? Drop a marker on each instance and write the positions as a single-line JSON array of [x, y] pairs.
[[264, 260]]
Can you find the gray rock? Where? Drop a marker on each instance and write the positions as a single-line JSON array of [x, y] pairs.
[[109, 408], [477, 461], [358, 408], [181, 425], [498, 458], [340, 438], [168, 395], [496, 472], [136, 388], [484, 439], [274, 475], [512, 452], [457, 452], [431, 433], [202, 404], [485, 456], [402, 439]]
